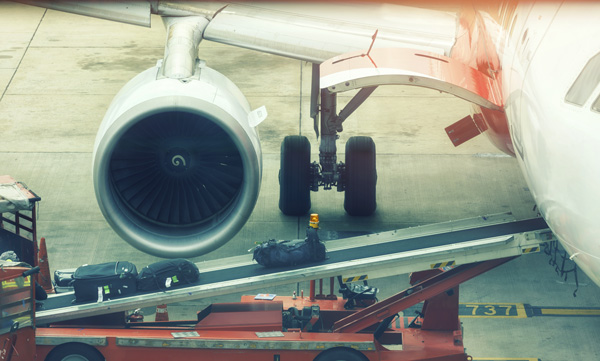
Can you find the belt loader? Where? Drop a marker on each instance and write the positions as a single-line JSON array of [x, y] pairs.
[[281, 328]]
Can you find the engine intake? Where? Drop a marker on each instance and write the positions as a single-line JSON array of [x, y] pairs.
[[177, 167]]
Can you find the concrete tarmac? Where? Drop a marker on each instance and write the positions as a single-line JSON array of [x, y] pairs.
[[59, 72]]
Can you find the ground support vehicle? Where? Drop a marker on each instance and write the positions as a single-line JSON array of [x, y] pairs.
[[282, 328]]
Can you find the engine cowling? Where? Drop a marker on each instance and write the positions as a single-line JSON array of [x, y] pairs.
[[176, 165]]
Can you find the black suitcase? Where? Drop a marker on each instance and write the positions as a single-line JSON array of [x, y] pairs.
[[167, 274], [104, 281], [63, 277], [289, 253]]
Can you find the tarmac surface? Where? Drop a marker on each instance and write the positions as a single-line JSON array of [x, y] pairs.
[[59, 72]]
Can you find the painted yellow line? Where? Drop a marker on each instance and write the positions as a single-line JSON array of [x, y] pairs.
[[570, 312]]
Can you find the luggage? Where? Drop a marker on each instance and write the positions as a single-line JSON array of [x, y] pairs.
[[167, 274], [289, 253], [357, 295], [104, 281], [63, 280], [63, 277]]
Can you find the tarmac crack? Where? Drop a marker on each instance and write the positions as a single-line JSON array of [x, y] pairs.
[[23, 56]]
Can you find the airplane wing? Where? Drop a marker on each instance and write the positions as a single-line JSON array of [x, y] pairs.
[[311, 32], [129, 12], [317, 33]]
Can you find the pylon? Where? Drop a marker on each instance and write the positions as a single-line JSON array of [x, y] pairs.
[[161, 313], [44, 279]]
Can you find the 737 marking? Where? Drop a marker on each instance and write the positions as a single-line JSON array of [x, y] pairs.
[[504, 310]]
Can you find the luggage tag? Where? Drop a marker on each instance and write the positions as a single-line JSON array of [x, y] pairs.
[[170, 280], [102, 290]]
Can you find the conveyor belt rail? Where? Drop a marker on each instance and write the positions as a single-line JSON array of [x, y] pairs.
[[378, 255]]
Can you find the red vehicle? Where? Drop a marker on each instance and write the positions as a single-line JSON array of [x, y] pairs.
[[282, 328]]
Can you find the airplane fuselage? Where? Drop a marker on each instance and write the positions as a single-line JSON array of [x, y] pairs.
[[549, 72]]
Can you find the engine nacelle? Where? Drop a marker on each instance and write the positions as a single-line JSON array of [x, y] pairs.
[[176, 166]]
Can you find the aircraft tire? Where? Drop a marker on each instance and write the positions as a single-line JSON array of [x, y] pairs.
[[361, 177], [294, 176]]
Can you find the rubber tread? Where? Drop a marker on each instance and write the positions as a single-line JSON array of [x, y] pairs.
[[361, 177], [294, 176]]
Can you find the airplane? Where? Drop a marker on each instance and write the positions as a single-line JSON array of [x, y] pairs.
[[177, 159]]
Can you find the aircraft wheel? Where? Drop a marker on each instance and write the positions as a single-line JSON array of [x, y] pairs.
[[341, 354], [75, 352], [294, 176], [361, 177]]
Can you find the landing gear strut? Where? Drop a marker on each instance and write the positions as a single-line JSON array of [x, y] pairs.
[[357, 177]]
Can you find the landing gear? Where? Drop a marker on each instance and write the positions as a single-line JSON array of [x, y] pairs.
[[357, 177], [360, 177], [294, 176]]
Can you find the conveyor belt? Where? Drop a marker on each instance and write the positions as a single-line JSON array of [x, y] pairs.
[[392, 247], [389, 256]]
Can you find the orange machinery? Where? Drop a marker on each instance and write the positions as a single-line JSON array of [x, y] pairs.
[[282, 328]]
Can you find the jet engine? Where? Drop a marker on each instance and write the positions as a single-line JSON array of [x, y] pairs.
[[177, 165]]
